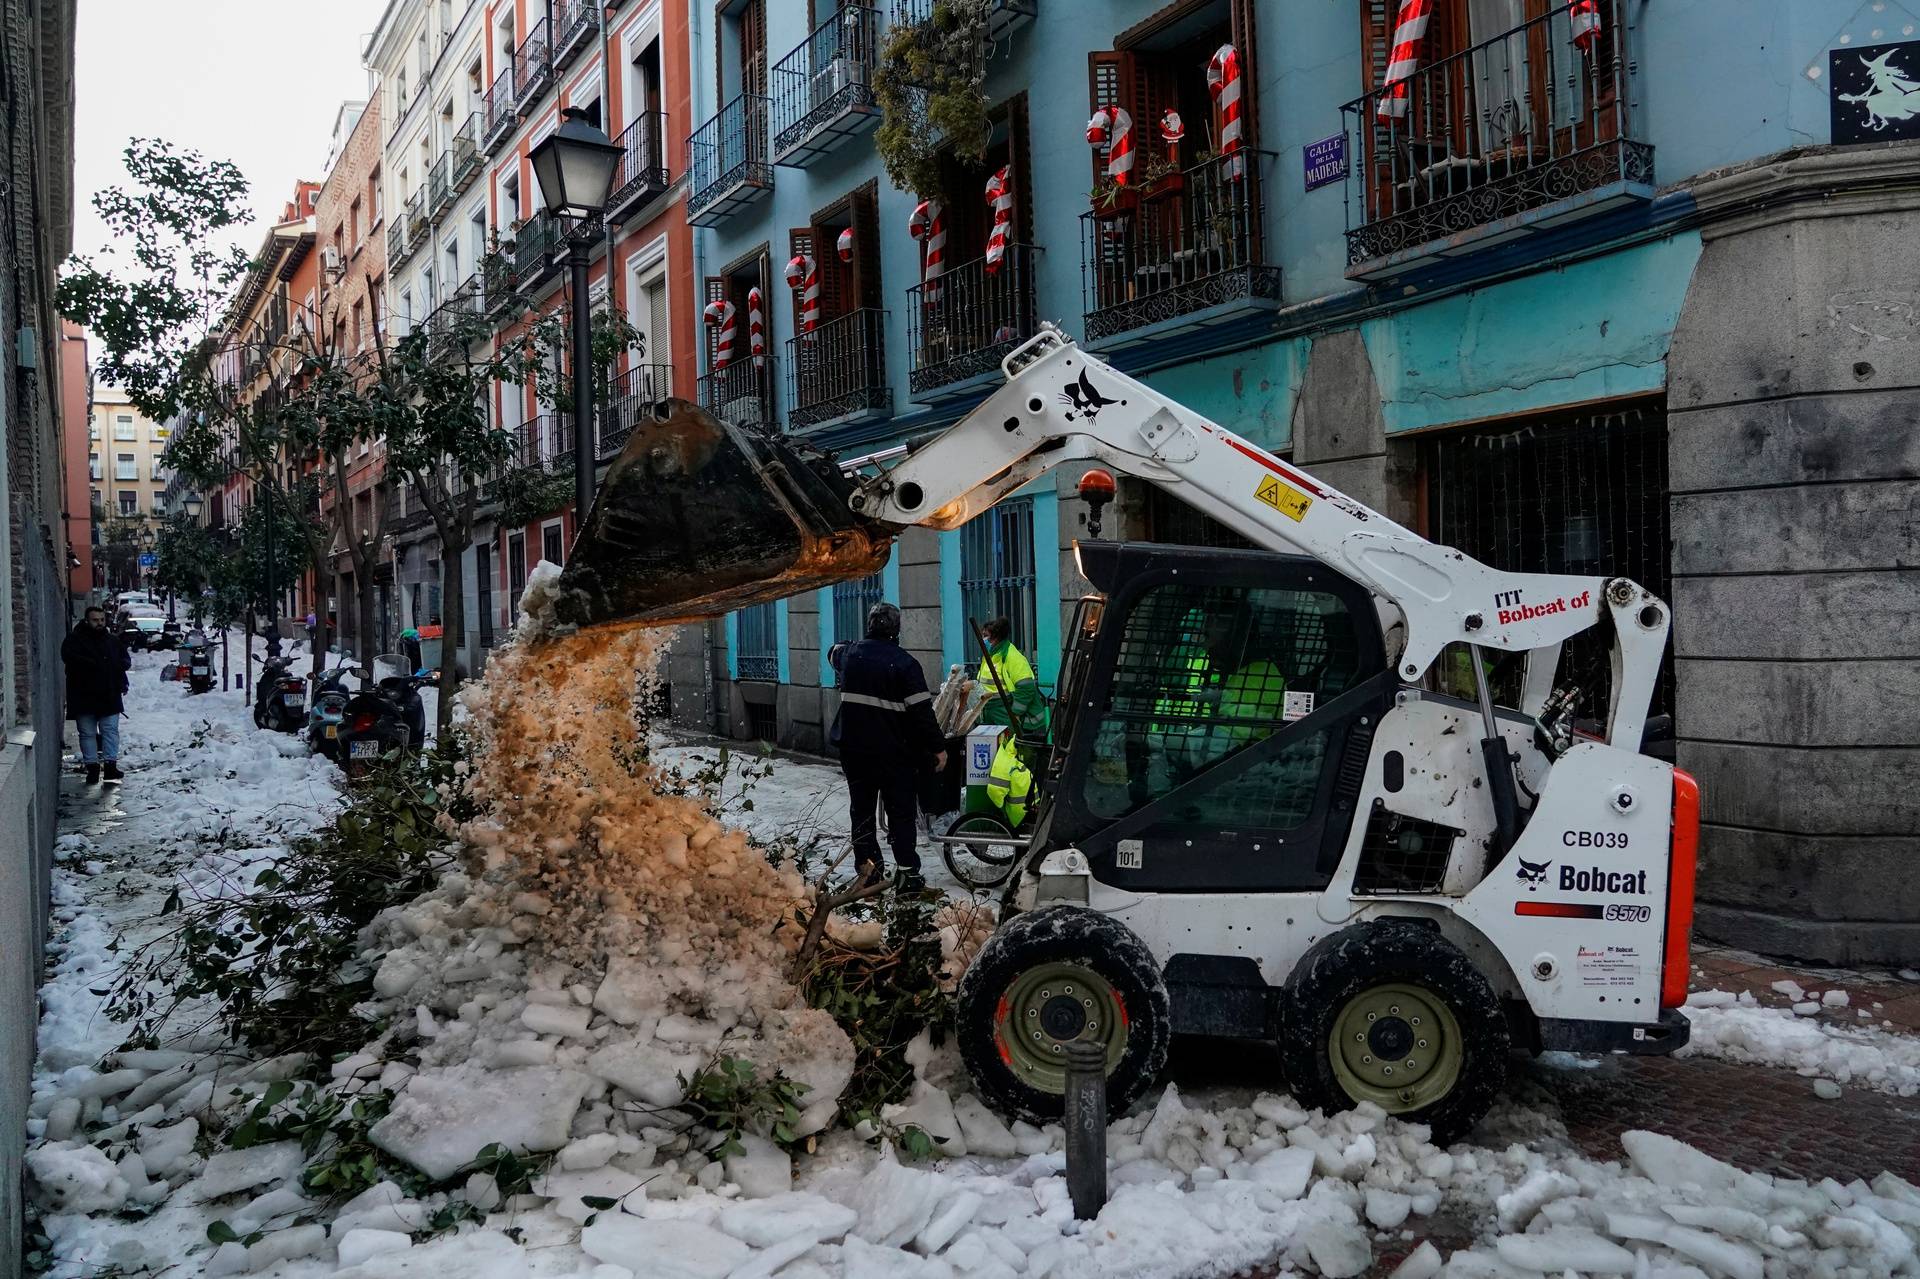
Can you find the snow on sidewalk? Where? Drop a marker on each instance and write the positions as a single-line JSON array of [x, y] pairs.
[[1736, 1028], [550, 1001]]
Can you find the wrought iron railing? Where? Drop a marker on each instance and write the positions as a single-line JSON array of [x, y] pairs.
[[465, 153], [823, 79], [727, 152], [396, 239], [635, 393], [960, 324], [532, 69], [534, 245], [1508, 125], [545, 443], [417, 217], [498, 279], [574, 24], [440, 182], [454, 316], [740, 393], [1003, 16], [838, 369], [642, 173], [498, 109], [1185, 241]]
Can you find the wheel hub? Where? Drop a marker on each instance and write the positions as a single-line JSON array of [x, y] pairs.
[[1397, 1045], [1062, 1017], [1049, 1006], [1390, 1037]]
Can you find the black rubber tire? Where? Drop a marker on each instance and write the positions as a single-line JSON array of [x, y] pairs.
[[1063, 934], [1339, 967]]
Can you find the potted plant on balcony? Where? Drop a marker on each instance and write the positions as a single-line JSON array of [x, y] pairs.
[[1162, 179], [929, 83], [1113, 207]]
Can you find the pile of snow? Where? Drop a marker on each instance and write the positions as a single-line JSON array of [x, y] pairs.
[[1736, 1028]]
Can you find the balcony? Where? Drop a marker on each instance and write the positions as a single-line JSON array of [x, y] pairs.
[[534, 246], [740, 393], [822, 94], [1004, 17], [465, 154], [498, 111], [532, 70], [452, 323], [440, 182], [397, 240], [1188, 247], [416, 219], [642, 175], [545, 443], [575, 24], [727, 167], [961, 325], [1518, 135], [839, 371], [636, 393]]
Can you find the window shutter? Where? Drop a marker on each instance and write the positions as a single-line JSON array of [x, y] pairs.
[[1110, 83], [799, 240], [1246, 41], [1376, 40], [716, 292], [1020, 160], [866, 247]]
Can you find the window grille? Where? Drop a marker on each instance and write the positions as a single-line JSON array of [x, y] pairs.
[[997, 576], [851, 600], [758, 637]]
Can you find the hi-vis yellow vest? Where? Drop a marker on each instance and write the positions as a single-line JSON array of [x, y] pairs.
[[1010, 784]]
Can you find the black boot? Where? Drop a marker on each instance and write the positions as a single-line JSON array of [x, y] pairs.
[[113, 770], [93, 774]]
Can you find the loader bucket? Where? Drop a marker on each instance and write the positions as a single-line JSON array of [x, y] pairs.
[[697, 517]]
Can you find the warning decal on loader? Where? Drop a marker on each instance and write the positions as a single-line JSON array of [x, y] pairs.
[[1283, 497]]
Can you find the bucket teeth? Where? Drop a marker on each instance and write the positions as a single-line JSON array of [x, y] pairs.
[[698, 517]]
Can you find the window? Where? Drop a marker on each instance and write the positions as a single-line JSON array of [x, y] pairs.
[[159, 502], [123, 426], [400, 93], [129, 502], [125, 467], [745, 29], [516, 573], [510, 201], [757, 631], [553, 543], [359, 329], [93, 430], [373, 306], [373, 197], [997, 572], [405, 317], [1204, 671], [353, 222], [851, 600], [93, 465], [97, 503]]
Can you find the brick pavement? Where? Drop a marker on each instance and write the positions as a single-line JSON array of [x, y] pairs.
[[1888, 997]]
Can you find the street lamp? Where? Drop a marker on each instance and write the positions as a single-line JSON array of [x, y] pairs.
[[574, 166]]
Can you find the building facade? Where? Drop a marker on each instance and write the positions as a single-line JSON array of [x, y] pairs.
[[36, 44], [1551, 299], [76, 383], [128, 481], [469, 91]]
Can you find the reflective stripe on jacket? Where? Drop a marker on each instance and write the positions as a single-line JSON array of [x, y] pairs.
[[885, 723], [1010, 783]]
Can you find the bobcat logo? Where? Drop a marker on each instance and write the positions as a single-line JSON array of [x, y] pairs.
[[1083, 401], [1532, 874]]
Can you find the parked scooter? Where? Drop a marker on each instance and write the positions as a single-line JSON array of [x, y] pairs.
[[195, 662], [388, 717], [328, 709], [280, 697]]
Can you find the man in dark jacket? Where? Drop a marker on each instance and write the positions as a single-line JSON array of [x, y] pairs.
[[887, 737], [97, 666]]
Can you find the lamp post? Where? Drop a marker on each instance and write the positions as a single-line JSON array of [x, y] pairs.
[[574, 166]]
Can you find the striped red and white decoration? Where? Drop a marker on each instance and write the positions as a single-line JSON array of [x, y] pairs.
[[1120, 148], [845, 244], [721, 313], [1097, 125], [929, 225], [1223, 82], [756, 328], [1409, 29], [1000, 200], [803, 276], [1585, 17]]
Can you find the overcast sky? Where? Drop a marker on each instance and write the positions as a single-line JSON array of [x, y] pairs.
[[257, 82]]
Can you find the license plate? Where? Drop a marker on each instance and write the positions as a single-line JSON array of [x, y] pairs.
[[294, 699], [363, 750], [198, 669], [333, 730]]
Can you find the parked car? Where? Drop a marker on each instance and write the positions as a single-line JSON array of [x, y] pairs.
[[141, 626]]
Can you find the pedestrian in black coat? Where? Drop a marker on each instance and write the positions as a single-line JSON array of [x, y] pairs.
[[97, 664], [887, 737]]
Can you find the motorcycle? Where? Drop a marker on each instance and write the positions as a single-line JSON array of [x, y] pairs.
[[280, 697], [194, 663], [328, 709], [388, 717]]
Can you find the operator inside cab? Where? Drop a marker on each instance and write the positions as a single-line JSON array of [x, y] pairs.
[[1007, 668]]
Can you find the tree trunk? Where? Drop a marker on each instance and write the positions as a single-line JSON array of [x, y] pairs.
[[363, 586], [452, 614]]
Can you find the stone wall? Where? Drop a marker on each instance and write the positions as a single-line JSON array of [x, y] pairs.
[[1793, 456]]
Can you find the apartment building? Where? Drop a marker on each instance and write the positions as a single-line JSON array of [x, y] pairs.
[[1512, 298], [127, 486], [471, 90]]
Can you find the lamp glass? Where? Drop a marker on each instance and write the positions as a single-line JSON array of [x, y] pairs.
[[574, 167], [191, 505]]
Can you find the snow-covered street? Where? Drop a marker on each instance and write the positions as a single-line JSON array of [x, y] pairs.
[[530, 1043]]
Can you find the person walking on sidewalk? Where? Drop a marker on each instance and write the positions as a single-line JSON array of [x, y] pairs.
[[97, 665], [887, 737]]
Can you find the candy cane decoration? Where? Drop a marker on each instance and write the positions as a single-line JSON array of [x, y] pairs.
[[1585, 17], [1097, 125], [721, 312], [803, 277], [845, 244], [1000, 200], [929, 224], [1409, 29], [1120, 149], [1172, 129], [1223, 82], [756, 328]]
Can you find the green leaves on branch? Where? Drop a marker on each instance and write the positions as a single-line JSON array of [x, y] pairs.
[[930, 85]]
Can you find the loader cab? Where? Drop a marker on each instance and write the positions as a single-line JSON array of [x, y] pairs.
[[1217, 710]]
